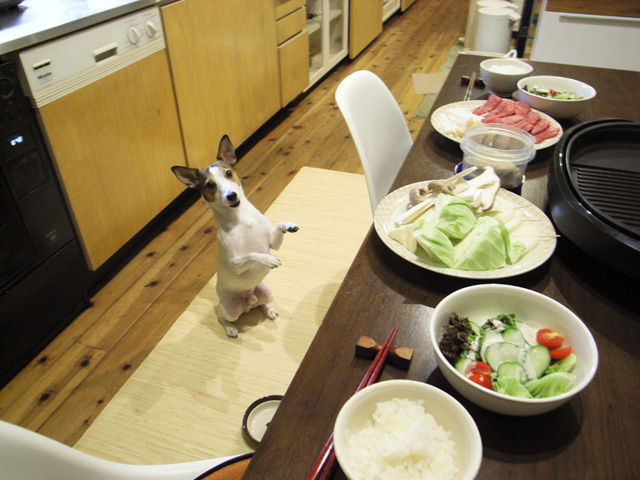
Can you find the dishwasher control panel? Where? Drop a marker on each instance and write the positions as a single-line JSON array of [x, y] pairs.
[[90, 54]]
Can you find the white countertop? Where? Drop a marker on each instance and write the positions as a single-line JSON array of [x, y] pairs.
[[36, 21]]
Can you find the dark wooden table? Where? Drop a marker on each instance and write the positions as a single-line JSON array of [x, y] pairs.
[[594, 436]]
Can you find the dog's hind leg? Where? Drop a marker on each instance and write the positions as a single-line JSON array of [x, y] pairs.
[[264, 296], [228, 311], [229, 328]]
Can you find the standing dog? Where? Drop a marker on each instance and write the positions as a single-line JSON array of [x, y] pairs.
[[245, 238]]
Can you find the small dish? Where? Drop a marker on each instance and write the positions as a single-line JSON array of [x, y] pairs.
[[257, 417]]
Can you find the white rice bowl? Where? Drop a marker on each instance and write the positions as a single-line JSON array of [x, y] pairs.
[[402, 441], [401, 429]]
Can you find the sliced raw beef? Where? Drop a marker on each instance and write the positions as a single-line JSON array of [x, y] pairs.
[[510, 120], [523, 124], [528, 121], [492, 102], [548, 132], [518, 114], [533, 117], [504, 109], [540, 126], [522, 108]]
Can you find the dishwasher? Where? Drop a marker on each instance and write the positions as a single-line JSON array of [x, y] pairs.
[[106, 107]]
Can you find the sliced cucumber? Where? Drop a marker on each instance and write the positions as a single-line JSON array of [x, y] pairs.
[[512, 370], [462, 363], [536, 361], [513, 335], [491, 337], [499, 353]]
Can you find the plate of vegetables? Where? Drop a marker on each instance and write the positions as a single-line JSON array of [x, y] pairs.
[[486, 251]]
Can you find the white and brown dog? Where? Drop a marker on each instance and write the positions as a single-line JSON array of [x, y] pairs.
[[245, 238]]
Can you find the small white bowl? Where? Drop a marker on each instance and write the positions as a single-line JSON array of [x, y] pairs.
[[481, 302], [501, 75], [447, 412], [557, 108]]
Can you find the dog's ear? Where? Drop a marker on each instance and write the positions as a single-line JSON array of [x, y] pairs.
[[226, 152], [189, 176]]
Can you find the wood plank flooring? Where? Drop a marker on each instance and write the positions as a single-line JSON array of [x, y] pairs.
[[65, 387]]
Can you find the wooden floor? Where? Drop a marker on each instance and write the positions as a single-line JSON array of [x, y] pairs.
[[62, 391]]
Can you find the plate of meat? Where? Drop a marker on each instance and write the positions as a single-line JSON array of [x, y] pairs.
[[453, 119]]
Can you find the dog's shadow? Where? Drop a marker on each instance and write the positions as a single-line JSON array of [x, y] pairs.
[[205, 338]]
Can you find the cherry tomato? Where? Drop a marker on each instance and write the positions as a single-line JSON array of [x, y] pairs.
[[560, 352], [482, 379], [549, 338], [479, 368]]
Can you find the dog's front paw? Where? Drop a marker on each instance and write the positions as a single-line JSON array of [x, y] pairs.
[[271, 261], [288, 227]]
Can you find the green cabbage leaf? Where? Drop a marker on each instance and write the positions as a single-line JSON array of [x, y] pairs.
[[453, 216], [483, 248], [434, 243]]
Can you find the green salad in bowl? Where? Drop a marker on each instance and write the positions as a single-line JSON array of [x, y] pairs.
[[551, 93]]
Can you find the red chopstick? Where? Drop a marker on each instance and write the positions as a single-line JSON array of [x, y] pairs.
[[325, 463]]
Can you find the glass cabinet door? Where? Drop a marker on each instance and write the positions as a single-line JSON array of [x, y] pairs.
[[327, 24]]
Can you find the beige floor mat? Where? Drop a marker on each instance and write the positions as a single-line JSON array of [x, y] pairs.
[[186, 400]]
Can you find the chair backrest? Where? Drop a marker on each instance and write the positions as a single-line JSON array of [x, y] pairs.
[[26, 455], [378, 129]]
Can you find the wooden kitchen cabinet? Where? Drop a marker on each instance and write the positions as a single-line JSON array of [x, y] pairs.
[[224, 62], [293, 48], [365, 24]]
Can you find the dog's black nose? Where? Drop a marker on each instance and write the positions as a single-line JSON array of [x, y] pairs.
[[232, 197]]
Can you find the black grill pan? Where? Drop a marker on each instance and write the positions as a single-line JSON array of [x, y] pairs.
[[594, 191]]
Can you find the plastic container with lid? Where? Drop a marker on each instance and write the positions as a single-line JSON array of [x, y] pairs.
[[506, 148]]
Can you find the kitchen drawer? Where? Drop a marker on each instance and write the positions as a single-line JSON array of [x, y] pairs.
[[285, 7], [290, 25], [293, 56]]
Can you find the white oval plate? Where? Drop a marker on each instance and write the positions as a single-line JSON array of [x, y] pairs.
[[395, 204], [438, 120]]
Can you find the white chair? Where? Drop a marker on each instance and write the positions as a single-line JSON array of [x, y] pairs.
[[378, 129], [26, 455]]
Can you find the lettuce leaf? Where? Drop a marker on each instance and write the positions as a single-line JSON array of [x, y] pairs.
[[510, 386], [453, 216], [483, 248], [550, 385], [435, 243]]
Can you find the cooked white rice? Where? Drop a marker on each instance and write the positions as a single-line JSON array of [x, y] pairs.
[[401, 441]]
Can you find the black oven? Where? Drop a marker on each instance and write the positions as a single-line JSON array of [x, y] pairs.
[[43, 275]]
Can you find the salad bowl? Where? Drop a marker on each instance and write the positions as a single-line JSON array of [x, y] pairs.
[[481, 302], [558, 107]]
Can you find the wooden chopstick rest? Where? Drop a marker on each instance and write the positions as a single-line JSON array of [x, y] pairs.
[[367, 347], [465, 79]]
